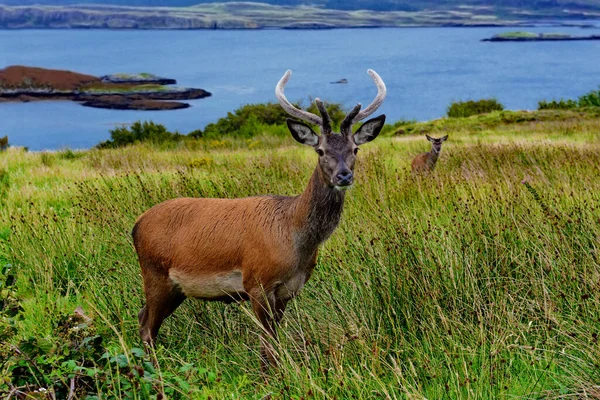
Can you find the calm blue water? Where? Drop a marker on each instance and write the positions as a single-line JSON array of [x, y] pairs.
[[424, 69]]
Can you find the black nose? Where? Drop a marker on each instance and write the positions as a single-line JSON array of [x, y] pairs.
[[344, 177]]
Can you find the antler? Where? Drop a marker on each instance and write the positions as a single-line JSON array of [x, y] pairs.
[[289, 107], [326, 126], [346, 126], [381, 92]]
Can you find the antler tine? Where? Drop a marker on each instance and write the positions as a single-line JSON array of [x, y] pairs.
[[381, 92], [346, 126], [326, 125], [288, 107]]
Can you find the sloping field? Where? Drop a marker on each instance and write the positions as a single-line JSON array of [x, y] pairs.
[[481, 280]]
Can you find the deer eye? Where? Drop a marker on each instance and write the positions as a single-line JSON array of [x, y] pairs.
[[320, 152], [356, 150]]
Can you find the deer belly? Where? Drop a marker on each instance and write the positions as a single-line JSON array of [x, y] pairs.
[[214, 286]]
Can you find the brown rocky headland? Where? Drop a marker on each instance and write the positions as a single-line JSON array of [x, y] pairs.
[[118, 91]]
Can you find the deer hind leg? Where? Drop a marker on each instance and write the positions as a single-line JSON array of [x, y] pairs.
[[162, 298]]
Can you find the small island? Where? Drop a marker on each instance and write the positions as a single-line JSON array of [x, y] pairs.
[[536, 37], [118, 91]]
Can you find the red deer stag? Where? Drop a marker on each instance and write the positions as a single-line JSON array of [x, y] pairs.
[[261, 249]]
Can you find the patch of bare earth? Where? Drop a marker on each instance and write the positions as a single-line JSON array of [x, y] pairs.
[[19, 76]]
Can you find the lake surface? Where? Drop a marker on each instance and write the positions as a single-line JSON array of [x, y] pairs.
[[424, 69]]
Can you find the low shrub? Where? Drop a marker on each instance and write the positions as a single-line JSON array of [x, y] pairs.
[[557, 104], [588, 100], [253, 119], [462, 109], [146, 131], [591, 99], [244, 121]]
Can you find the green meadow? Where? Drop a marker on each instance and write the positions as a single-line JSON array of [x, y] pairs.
[[480, 280]]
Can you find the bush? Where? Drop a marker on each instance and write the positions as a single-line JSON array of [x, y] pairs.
[[588, 100], [243, 121], [462, 109], [557, 105], [591, 99], [146, 131], [3, 143], [253, 119]]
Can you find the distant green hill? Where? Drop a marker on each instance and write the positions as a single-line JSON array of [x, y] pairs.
[[380, 5]]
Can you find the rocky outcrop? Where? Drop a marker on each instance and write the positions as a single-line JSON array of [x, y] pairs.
[[118, 91], [120, 102], [540, 38], [162, 94], [137, 79]]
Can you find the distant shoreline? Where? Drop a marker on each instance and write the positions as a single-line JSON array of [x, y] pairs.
[[255, 16]]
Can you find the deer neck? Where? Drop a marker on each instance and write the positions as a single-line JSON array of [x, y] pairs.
[[318, 211], [433, 157]]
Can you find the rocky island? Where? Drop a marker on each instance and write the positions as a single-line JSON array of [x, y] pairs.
[[119, 91], [536, 37]]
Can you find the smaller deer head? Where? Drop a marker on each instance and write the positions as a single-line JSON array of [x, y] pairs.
[[436, 144], [337, 151]]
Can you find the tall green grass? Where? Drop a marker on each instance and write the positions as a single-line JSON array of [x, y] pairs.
[[467, 283]]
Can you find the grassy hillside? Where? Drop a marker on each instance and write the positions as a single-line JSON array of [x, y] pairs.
[[467, 283]]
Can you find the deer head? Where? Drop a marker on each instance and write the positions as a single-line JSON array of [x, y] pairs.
[[337, 151], [436, 143]]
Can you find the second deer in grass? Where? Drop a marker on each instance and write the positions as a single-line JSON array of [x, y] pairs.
[[261, 249], [425, 162]]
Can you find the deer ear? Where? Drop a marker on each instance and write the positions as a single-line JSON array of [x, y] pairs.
[[302, 132], [444, 138], [429, 138], [369, 130]]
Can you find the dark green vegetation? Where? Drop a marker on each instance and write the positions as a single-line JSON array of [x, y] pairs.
[[245, 122], [588, 100], [138, 132], [3, 143], [465, 284], [461, 109], [289, 14]]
